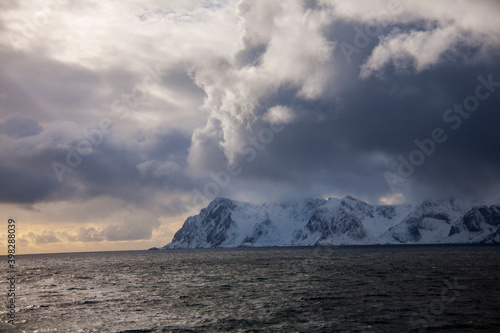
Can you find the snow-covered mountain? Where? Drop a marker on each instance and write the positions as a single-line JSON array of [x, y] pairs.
[[346, 221]]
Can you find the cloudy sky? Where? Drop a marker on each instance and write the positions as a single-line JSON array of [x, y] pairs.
[[118, 119]]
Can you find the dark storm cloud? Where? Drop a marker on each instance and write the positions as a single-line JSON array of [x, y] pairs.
[[113, 167], [25, 186], [372, 109], [65, 97], [130, 169], [358, 139], [347, 117], [17, 126]]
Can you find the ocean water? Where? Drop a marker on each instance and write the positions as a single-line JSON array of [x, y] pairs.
[[323, 289]]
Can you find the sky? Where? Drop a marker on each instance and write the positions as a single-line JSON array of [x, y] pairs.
[[119, 119]]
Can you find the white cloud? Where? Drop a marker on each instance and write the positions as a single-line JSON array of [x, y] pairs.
[[279, 114], [295, 53], [418, 49], [448, 27]]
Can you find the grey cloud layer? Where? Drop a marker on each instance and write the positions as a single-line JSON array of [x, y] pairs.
[[355, 115], [346, 119]]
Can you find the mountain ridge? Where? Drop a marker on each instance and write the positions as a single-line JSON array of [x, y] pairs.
[[346, 221]]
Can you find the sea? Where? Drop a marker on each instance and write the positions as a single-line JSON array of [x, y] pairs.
[[310, 289]]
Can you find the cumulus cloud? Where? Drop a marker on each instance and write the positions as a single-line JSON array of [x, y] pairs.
[[84, 234], [279, 115], [43, 237], [346, 132], [138, 225], [436, 35], [419, 50], [131, 230], [288, 49]]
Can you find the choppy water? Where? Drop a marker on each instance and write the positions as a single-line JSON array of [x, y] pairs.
[[354, 289]]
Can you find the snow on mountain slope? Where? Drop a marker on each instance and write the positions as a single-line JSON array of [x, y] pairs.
[[346, 221], [228, 223], [336, 222], [428, 222], [480, 223]]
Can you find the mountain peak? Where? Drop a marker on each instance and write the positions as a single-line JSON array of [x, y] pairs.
[[349, 198], [220, 202], [347, 221]]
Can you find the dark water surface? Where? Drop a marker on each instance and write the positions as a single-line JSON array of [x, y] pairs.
[[349, 289]]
